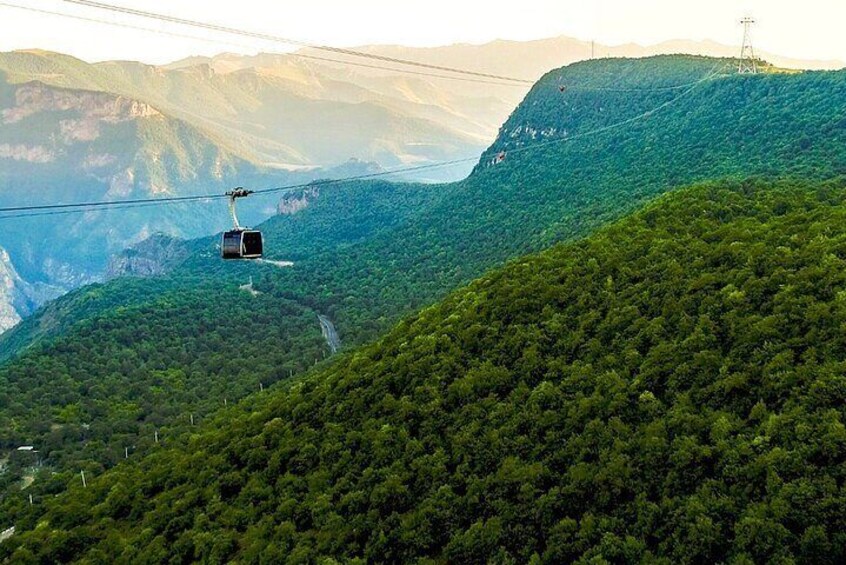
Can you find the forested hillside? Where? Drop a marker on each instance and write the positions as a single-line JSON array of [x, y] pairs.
[[669, 389], [619, 136], [109, 365], [369, 254]]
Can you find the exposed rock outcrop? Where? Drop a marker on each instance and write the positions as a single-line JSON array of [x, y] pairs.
[[154, 256], [19, 298], [292, 203], [35, 97], [28, 153]]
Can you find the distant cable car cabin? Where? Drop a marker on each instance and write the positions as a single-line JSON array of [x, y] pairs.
[[240, 243], [500, 157]]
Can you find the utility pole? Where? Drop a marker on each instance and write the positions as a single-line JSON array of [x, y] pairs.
[[748, 63], [593, 50], [126, 453], [157, 436], [84, 484]]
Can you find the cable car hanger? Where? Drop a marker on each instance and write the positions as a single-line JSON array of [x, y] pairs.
[[240, 242], [239, 192]]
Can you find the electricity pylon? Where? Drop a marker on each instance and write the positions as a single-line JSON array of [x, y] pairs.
[[748, 63]]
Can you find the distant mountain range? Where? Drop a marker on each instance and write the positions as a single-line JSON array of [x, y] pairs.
[[74, 131], [277, 111]]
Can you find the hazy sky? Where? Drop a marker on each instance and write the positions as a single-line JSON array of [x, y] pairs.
[[802, 29]]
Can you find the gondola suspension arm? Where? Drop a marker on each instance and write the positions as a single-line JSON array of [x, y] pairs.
[[233, 194], [240, 242]]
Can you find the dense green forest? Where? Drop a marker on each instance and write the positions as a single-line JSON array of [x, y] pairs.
[[770, 125], [338, 216], [669, 389], [368, 254], [138, 356]]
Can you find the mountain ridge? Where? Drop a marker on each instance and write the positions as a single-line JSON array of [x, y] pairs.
[[220, 95]]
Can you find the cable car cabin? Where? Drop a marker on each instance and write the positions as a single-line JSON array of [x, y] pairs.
[[242, 244]]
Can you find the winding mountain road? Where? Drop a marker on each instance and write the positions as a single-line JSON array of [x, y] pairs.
[[328, 330]]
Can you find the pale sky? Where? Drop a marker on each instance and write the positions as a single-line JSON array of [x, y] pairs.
[[810, 29]]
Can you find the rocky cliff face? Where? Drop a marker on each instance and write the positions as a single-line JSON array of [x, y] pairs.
[[290, 204], [60, 145], [154, 256], [294, 202], [110, 140], [19, 298], [32, 98]]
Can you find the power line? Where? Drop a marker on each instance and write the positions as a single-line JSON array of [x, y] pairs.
[[107, 203], [368, 176], [51, 209], [73, 207], [634, 89], [289, 41], [117, 206], [295, 55], [120, 24], [91, 206], [711, 74], [298, 55]]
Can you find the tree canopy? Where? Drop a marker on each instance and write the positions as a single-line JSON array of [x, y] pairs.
[[108, 365], [669, 389]]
